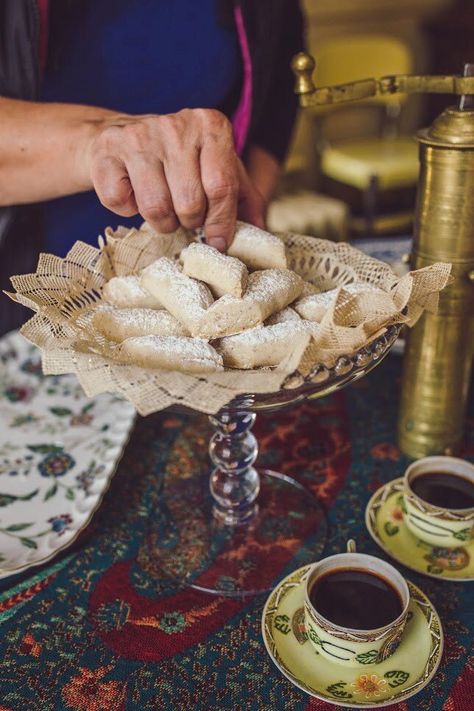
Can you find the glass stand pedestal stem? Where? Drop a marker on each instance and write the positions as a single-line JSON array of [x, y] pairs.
[[236, 533], [234, 483]]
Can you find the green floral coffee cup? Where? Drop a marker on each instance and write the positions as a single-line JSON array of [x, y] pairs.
[[344, 645], [441, 527]]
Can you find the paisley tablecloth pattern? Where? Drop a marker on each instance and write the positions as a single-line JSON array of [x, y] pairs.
[[100, 630]]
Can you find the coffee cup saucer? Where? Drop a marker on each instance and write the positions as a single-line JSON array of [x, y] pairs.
[[406, 672], [384, 521]]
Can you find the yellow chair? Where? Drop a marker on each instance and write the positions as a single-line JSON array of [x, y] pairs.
[[370, 167]]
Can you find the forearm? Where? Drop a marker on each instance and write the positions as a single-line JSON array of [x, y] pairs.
[[43, 149], [173, 169]]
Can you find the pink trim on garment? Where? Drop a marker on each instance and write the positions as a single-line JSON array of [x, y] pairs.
[[241, 118], [43, 8]]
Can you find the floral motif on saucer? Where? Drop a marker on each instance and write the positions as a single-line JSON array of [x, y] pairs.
[[384, 521], [401, 675]]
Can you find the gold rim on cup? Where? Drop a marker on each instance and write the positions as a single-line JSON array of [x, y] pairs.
[[345, 645], [436, 525]]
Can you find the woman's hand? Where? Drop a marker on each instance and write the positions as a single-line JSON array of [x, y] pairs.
[[174, 169]]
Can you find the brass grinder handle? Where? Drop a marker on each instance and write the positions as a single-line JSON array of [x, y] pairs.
[[303, 66]]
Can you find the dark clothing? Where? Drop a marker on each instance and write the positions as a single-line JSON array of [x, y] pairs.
[[142, 57], [274, 32], [20, 232], [19, 49]]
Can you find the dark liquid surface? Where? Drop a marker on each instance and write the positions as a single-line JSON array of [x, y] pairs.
[[356, 599], [449, 491]]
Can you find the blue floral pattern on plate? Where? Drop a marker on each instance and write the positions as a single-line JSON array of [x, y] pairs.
[[58, 451]]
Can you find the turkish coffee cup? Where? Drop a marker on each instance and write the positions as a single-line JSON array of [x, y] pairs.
[[355, 608], [438, 496]]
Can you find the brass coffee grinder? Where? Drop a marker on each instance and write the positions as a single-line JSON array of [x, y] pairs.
[[439, 351]]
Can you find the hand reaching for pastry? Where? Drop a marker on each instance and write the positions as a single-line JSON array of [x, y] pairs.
[[174, 169]]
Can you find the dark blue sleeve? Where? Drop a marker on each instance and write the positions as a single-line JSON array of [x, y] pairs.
[[275, 125]]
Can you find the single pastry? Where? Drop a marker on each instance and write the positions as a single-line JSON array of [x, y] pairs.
[[187, 355], [315, 306], [126, 292], [119, 324], [228, 315], [185, 298], [267, 346], [289, 315], [274, 289], [257, 249], [283, 316], [268, 291], [223, 274]]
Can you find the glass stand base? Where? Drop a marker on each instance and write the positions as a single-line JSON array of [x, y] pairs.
[[194, 548]]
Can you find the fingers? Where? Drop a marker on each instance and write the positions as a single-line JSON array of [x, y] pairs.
[[176, 169], [221, 186], [152, 193], [227, 185], [229, 193], [184, 182], [113, 187]]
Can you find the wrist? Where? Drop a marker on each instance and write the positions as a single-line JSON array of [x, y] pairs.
[[89, 130]]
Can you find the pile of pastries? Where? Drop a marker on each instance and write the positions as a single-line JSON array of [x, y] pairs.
[[208, 311]]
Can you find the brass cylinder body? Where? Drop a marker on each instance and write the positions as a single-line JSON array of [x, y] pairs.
[[438, 357]]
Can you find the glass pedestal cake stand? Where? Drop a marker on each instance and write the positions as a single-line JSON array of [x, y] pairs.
[[235, 533]]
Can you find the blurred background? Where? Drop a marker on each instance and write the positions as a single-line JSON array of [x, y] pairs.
[[351, 172]]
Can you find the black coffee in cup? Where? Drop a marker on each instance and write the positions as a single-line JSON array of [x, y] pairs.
[[444, 489], [355, 598]]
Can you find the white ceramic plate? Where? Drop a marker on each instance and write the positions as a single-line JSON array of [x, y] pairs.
[[58, 452]]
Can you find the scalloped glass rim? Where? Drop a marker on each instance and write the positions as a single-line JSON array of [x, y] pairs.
[[321, 380]]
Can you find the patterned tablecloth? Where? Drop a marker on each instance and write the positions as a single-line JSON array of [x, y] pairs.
[[98, 630]]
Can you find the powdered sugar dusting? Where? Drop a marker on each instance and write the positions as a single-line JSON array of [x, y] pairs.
[[119, 324], [283, 316], [266, 346], [228, 315], [126, 291], [184, 297], [267, 334], [191, 355], [257, 249], [224, 274], [268, 291], [273, 289]]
